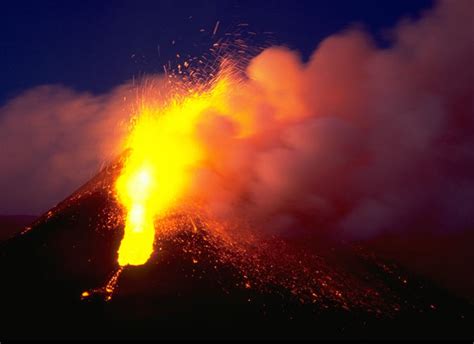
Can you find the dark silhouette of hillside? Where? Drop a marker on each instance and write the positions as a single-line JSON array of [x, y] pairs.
[[11, 225], [192, 287]]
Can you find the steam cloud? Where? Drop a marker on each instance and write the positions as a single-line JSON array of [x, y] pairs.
[[53, 139], [358, 140]]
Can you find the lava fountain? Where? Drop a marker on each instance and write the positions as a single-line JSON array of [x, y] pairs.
[[163, 150]]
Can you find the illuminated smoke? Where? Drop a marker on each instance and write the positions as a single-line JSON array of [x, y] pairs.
[[359, 140], [53, 139]]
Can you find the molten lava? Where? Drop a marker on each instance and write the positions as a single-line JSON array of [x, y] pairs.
[[163, 151]]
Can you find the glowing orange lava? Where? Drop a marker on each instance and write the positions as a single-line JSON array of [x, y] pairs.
[[163, 151]]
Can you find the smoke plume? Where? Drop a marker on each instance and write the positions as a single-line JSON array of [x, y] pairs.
[[359, 140], [53, 139]]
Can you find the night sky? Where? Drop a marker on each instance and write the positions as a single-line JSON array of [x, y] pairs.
[[96, 45]]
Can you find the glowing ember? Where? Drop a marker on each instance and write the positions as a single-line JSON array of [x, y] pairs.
[[107, 290]]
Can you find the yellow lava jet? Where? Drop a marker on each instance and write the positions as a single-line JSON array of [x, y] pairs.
[[163, 151]]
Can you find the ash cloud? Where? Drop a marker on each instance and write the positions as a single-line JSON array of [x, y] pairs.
[[53, 139], [359, 140]]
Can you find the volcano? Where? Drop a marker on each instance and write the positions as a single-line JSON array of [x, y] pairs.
[[198, 285]]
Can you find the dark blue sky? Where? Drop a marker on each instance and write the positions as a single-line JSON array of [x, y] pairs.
[[95, 45]]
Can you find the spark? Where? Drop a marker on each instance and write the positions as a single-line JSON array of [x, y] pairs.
[[216, 27]]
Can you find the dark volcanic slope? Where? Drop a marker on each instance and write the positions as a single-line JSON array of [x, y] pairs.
[[12, 224], [201, 284]]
